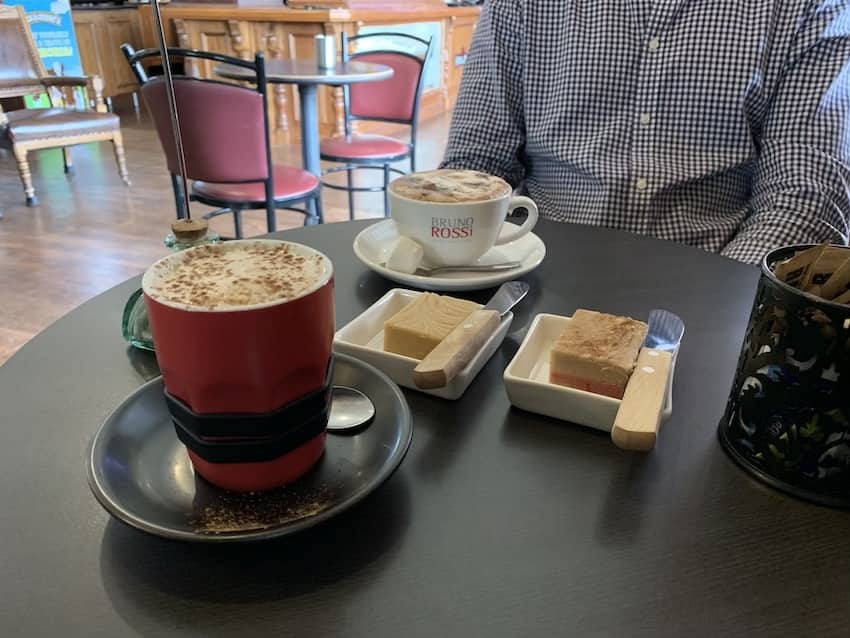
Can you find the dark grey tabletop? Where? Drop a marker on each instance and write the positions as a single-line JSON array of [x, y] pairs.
[[308, 72], [498, 523]]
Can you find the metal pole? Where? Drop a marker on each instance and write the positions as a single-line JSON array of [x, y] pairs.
[[172, 103]]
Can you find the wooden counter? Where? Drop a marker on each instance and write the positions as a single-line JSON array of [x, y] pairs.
[[279, 32], [99, 34]]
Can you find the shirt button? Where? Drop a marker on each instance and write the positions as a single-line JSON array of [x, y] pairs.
[[654, 44], [641, 184], [645, 118]]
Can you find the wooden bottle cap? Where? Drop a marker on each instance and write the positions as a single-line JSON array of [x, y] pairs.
[[188, 230]]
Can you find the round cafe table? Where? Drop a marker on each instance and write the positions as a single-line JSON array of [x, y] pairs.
[[498, 522], [307, 75]]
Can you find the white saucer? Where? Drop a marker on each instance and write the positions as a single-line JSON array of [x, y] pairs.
[[373, 245]]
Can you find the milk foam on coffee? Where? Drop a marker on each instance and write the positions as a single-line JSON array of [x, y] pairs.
[[231, 275], [450, 186]]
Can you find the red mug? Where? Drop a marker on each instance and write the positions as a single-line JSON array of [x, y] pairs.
[[252, 359]]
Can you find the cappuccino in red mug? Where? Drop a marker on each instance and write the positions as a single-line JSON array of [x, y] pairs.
[[244, 327]]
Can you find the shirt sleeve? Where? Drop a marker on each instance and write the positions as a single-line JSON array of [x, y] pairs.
[[487, 132], [802, 175]]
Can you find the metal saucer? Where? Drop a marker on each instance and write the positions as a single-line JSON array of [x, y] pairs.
[[141, 474]]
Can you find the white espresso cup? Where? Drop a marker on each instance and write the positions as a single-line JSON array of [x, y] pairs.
[[456, 215]]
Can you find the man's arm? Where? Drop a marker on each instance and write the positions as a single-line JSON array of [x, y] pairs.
[[488, 126], [801, 185]]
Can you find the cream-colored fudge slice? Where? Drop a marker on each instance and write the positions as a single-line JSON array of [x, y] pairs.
[[417, 329]]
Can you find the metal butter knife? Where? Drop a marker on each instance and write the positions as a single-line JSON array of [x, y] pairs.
[[451, 355], [650, 386]]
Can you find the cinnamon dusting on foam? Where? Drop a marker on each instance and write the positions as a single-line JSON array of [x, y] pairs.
[[233, 275], [450, 186]]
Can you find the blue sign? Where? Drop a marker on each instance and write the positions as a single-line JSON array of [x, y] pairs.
[[53, 31]]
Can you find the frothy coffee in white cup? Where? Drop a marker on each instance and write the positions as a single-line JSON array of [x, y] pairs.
[[450, 186], [456, 215]]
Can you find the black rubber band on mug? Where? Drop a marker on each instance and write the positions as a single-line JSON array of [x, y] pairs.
[[254, 450], [250, 438], [203, 426]]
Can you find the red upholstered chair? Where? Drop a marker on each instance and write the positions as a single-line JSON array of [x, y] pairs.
[[226, 142], [393, 100]]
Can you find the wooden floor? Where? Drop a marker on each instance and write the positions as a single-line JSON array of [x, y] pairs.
[[91, 232]]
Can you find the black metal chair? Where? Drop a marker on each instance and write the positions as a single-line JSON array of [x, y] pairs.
[[393, 100], [226, 141]]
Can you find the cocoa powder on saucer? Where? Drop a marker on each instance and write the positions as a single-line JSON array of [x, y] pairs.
[[254, 511]]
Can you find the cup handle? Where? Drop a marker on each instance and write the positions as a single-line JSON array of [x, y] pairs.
[[531, 207]]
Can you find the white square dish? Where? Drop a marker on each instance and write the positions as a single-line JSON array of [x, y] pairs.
[[527, 382], [363, 337]]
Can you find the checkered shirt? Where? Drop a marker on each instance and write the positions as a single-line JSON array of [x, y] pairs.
[[724, 124]]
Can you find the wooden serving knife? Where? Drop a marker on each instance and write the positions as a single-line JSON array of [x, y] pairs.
[[639, 416], [451, 355]]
